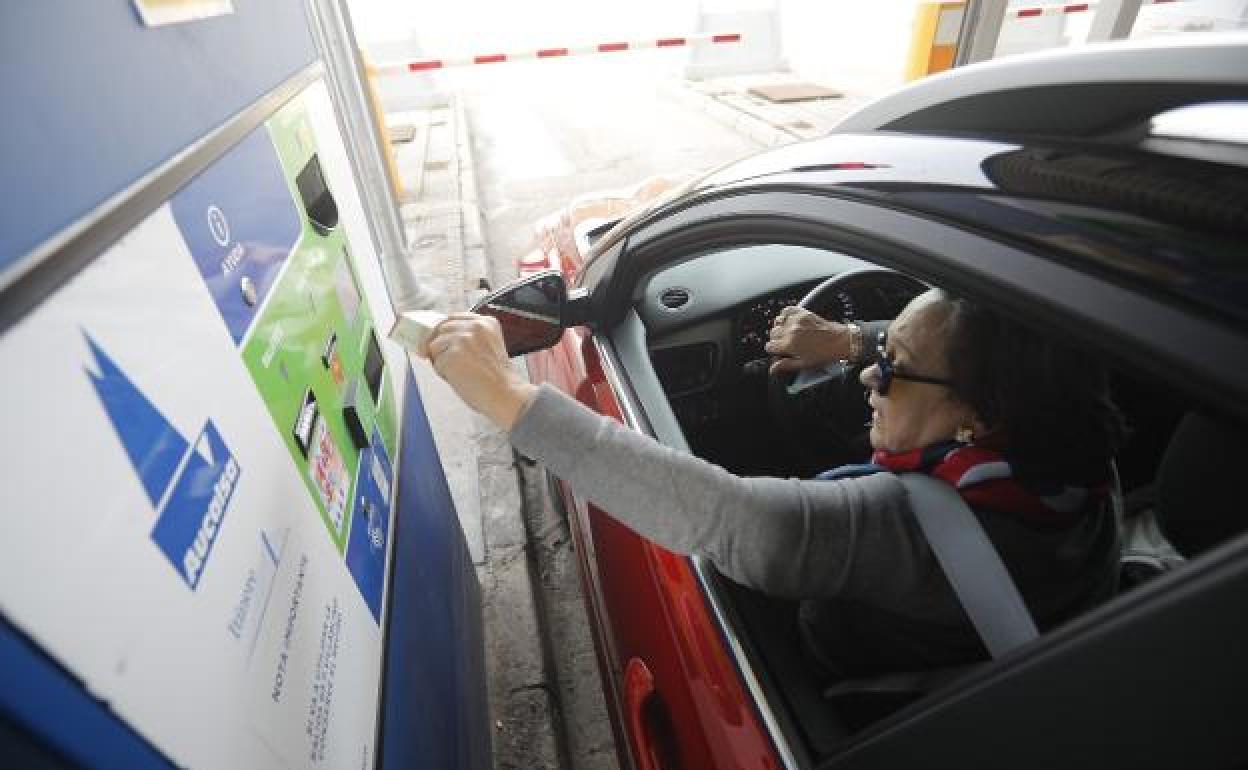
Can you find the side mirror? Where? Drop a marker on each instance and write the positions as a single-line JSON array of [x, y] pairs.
[[533, 311]]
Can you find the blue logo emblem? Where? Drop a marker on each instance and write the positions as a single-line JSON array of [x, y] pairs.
[[190, 484]]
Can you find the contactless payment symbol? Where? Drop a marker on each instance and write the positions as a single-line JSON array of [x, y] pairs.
[[190, 484], [218, 226]]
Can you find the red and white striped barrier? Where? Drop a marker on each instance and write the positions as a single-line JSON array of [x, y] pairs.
[[1057, 10], [425, 65]]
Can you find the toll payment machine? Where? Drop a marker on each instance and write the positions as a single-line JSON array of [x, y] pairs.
[[227, 540]]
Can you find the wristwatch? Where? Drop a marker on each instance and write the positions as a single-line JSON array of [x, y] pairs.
[[855, 342]]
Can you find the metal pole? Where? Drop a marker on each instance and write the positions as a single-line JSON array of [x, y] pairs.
[[1113, 20], [965, 32], [981, 27], [331, 24]]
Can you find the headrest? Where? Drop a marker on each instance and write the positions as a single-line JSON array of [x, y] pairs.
[[1202, 484]]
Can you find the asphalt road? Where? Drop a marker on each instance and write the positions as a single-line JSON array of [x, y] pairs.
[[544, 133], [558, 129]]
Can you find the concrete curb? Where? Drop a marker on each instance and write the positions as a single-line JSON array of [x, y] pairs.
[[522, 691], [444, 221], [476, 265], [729, 103], [522, 696], [747, 125]]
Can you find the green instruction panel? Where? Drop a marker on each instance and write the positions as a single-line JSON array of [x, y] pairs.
[[263, 228]]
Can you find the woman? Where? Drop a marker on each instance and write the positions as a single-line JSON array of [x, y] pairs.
[[1021, 426]]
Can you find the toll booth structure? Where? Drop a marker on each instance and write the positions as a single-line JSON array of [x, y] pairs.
[[227, 540]]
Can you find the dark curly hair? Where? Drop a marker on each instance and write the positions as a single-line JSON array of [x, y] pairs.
[[1047, 404]]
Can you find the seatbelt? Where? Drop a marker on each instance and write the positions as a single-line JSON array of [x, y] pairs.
[[971, 563]]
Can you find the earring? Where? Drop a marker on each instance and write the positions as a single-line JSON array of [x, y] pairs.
[[965, 435]]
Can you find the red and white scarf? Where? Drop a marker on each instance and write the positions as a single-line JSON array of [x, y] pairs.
[[986, 481]]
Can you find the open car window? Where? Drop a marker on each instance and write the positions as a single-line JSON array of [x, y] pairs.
[[692, 380]]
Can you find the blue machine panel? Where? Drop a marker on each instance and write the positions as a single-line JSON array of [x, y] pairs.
[[42, 698], [93, 100], [434, 711]]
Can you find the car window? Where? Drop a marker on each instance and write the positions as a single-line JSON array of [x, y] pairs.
[[1170, 514]]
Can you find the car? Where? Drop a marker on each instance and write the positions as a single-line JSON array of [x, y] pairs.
[[1099, 194]]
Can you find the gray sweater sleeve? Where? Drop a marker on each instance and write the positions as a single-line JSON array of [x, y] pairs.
[[808, 539]]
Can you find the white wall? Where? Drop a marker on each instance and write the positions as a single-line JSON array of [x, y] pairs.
[[1191, 16], [858, 46]]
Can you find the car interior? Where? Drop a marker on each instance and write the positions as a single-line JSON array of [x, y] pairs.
[[705, 322]]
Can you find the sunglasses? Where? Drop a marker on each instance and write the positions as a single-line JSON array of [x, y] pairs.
[[888, 371]]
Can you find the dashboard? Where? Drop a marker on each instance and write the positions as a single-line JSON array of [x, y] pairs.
[[708, 318]]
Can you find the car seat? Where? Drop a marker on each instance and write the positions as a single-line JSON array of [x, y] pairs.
[[1190, 506], [1197, 507]]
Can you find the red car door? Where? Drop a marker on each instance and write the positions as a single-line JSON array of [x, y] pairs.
[[675, 694]]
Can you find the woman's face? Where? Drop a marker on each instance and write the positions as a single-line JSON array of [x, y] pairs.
[[915, 414]]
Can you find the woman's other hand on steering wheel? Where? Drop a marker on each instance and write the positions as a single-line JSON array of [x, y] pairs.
[[802, 340]]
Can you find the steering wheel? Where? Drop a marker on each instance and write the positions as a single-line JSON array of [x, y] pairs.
[[823, 411]]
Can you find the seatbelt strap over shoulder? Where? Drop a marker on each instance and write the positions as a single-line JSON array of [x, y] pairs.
[[971, 563]]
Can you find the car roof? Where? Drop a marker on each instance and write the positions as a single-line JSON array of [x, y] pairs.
[[1006, 95], [1167, 224], [1177, 196], [1068, 93]]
